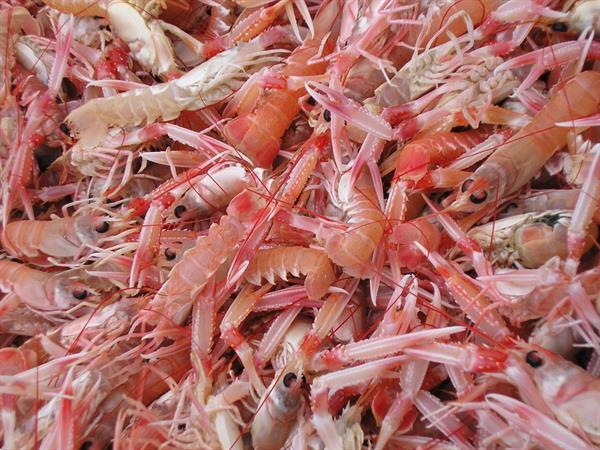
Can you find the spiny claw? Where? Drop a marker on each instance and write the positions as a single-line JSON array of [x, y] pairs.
[[376, 347], [548, 57], [469, 357]]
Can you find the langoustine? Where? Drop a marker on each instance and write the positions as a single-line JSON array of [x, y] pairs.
[[212, 252]]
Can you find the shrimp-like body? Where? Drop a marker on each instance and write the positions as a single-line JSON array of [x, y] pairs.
[[18, 171], [201, 263], [515, 163], [64, 238], [205, 85], [197, 267], [556, 336], [352, 249], [284, 354], [244, 219], [295, 260], [528, 239], [540, 298], [133, 22], [218, 23], [259, 126], [41, 291]]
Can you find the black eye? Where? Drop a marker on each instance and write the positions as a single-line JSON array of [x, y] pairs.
[[208, 11], [289, 378], [64, 128], [311, 101], [86, 445], [511, 206], [561, 27], [103, 227], [170, 254], [478, 197], [80, 294], [180, 211], [327, 115], [534, 359]]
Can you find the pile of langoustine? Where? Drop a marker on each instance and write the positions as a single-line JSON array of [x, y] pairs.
[[299, 224]]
